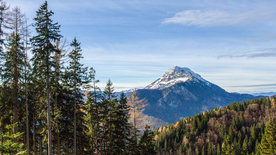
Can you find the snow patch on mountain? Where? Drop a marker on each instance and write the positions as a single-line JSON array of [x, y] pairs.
[[176, 75]]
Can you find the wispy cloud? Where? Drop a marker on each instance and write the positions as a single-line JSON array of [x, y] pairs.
[[261, 53], [256, 85], [217, 17], [266, 37]]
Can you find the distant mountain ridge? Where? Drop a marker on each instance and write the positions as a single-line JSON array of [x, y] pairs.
[[264, 94], [180, 93]]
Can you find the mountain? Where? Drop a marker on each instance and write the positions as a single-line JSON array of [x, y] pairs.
[[126, 92], [180, 93], [265, 94], [176, 75]]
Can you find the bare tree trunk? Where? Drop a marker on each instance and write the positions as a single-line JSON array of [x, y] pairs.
[[27, 122], [26, 91], [97, 118], [48, 108], [58, 144], [34, 136], [40, 146], [2, 141], [75, 127], [68, 152], [15, 81], [57, 71], [15, 110]]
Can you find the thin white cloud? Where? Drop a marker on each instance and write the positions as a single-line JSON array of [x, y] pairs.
[[261, 53], [218, 17]]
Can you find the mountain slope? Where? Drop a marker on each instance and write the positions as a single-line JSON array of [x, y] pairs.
[[181, 93]]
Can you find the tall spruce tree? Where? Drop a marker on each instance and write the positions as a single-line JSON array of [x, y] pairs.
[[43, 50], [108, 104], [12, 74], [77, 75], [3, 91], [13, 69], [146, 143], [122, 127], [3, 10], [93, 118], [67, 111]]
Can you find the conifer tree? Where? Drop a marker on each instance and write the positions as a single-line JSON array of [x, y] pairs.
[[93, 117], [146, 143], [13, 75], [59, 94], [244, 145], [77, 76], [43, 50], [209, 151], [268, 143], [227, 146], [26, 35], [203, 150], [3, 11], [235, 148], [122, 126], [108, 103], [13, 69]]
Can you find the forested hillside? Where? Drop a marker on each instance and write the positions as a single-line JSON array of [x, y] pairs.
[[50, 102], [240, 128]]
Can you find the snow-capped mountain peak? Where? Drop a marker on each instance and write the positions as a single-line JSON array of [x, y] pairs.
[[176, 75]]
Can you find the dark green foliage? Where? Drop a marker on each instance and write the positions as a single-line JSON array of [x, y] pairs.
[[235, 129], [108, 102], [13, 76], [14, 62], [76, 76], [146, 143], [43, 44], [133, 141], [94, 115], [121, 131]]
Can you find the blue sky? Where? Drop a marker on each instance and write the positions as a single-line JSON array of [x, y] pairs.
[[133, 42]]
